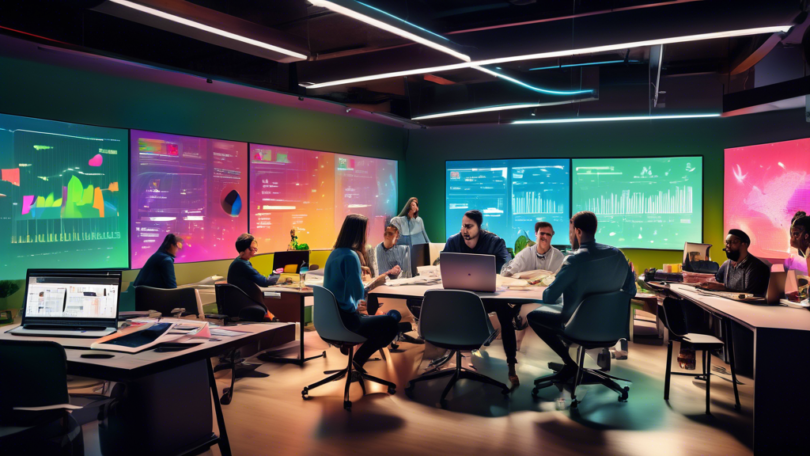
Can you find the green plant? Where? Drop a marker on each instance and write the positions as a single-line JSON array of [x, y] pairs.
[[302, 246], [522, 242], [8, 288]]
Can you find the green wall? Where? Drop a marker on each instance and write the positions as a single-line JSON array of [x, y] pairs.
[[429, 149], [37, 89]]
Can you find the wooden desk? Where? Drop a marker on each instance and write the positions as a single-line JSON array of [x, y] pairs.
[[288, 305], [781, 366], [171, 386]]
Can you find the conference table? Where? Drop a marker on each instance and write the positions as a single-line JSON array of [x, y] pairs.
[[781, 365], [164, 406]]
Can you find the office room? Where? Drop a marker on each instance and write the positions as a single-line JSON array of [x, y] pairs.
[[337, 227]]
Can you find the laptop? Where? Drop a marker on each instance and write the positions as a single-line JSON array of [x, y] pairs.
[[468, 271], [773, 295], [70, 303]]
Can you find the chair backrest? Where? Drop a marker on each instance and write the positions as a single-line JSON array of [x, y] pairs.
[[454, 318], [231, 299], [326, 317], [673, 318], [603, 317], [164, 300], [604, 275], [248, 287], [34, 374]]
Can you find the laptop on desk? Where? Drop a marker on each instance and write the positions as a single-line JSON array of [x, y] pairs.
[[468, 271], [70, 303]]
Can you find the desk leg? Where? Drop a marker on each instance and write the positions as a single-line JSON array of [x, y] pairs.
[[224, 444], [301, 358]]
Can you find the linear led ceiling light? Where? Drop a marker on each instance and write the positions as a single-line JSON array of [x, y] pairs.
[[200, 26], [497, 108], [572, 65], [612, 119], [368, 19], [530, 87], [554, 54]]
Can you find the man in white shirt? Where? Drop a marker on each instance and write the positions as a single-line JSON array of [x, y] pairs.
[[543, 256]]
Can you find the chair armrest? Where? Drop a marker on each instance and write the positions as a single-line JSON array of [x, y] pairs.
[[49, 407], [216, 316]]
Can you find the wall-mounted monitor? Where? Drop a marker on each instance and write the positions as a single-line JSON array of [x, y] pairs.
[[644, 203], [312, 192], [193, 187], [512, 195], [764, 186], [63, 196]]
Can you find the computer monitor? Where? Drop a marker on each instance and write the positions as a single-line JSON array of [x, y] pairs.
[[296, 257], [420, 256], [71, 297], [696, 258]]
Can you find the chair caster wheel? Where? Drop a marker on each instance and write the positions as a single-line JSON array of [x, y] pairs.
[[624, 394], [305, 393], [392, 391], [535, 393], [347, 405]]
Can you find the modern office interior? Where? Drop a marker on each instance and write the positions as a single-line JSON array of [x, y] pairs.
[[338, 227]]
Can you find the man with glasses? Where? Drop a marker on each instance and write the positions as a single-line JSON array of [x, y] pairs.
[[543, 256]]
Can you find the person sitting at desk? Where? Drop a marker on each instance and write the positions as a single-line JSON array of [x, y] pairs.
[[543, 256], [742, 271], [392, 259], [158, 272], [241, 272], [472, 239], [343, 277], [593, 268], [799, 240]]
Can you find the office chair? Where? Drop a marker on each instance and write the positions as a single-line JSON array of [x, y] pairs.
[[330, 327], [675, 322], [455, 320], [600, 320], [234, 305], [164, 300], [34, 375]]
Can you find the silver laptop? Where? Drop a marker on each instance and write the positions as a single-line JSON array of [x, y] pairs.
[[468, 271], [70, 303]]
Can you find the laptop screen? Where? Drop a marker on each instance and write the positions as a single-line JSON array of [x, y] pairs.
[[72, 295]]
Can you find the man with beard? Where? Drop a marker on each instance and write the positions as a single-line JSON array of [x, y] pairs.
[[742, 272]]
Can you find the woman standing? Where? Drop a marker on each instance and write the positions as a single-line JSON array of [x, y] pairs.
[[411, 229]]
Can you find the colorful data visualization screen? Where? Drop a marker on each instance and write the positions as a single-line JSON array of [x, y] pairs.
[[512, 194], [312, 192], [193, 187], [764, 186], [645, 203], [63, 196]]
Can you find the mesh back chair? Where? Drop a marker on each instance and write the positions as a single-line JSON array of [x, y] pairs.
[[675, 322], [35, 376], [330, 327], [455, 320], [164, 300]]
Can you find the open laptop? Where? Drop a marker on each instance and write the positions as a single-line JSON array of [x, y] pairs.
[[468, 271], [773, 295], [70, 303]]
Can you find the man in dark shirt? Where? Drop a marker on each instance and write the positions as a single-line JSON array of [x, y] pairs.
[[158, 272], [242, 273], [742, 271]]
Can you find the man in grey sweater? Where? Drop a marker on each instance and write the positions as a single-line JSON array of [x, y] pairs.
[[541, 256]]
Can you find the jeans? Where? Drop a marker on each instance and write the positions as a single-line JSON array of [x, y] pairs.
[[506, 315], [547, 323], [379, 331]]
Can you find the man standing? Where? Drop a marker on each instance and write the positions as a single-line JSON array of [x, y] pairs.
[[742, 271], [543, 256], [392, 259]]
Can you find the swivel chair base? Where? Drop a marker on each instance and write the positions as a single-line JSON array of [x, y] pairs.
[[457, 374], [239, 369], [352, 374], [587, 377]]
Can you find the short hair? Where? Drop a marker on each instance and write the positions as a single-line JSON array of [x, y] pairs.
[[353, 233], [170, 240], [475, 216], [244, 241], [744, 238], [585, 221], [391, 225], [539, 225], [803, 222]]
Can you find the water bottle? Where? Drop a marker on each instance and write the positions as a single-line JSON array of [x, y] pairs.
[[302, 275]]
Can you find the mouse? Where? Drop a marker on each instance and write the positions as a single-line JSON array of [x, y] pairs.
[[97, 355]]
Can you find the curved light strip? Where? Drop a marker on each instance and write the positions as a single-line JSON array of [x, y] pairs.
[[564, 53], [612, 119], [497, 108], [572, 65], [206, 28], [536, 89], [403, 21]]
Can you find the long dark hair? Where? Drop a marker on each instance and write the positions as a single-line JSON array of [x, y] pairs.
[[407, 207], [353, 233], [170, 240]]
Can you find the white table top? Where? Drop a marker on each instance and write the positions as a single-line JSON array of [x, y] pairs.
[[535, 294]]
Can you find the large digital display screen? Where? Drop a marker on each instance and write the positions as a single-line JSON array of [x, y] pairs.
[[511, 194], [311, 192], [645, 203], [764, 186], [63, 196], [193, 187]]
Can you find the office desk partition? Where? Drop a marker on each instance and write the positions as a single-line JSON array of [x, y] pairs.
[[781, 367], [167, 408]]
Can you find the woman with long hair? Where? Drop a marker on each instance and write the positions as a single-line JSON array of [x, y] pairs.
[[343, 277], [411, 229], [158, 271]]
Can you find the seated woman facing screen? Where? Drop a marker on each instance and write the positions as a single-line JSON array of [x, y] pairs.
[[158, 272], [343, 277]]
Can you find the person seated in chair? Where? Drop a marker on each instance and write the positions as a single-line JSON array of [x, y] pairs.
[[541, 256], [244, 276], [742, 271], [343, 277], [158, 271], [593, 268]]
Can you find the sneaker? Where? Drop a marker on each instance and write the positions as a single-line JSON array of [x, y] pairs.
[[686, 358]]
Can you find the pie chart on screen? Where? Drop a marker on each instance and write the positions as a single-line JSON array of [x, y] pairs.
[[231, 202]]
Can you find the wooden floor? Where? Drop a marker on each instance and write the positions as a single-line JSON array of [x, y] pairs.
[[268, 415]]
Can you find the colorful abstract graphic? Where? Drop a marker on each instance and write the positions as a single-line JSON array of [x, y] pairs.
[[764, 186]]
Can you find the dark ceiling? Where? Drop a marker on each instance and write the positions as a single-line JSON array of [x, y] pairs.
[[694, 75]]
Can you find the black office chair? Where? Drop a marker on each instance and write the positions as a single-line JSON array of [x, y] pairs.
[[673, 318], [35, 375], [164, 300], [599, 321], [234, 305]]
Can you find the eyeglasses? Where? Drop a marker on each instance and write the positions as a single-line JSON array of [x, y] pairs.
[[545, 234]]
